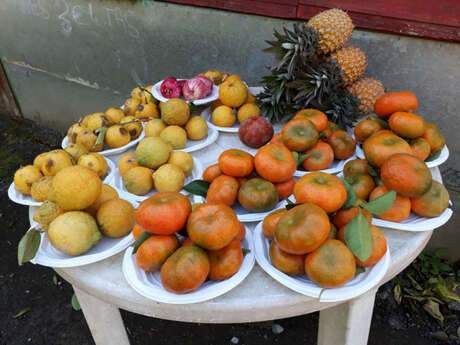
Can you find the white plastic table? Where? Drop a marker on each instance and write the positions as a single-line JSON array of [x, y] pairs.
[[101, 290]]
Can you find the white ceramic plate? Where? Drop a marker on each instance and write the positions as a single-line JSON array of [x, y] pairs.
[[19, 198], [211, 97], [49, 256], [431, 164], [336, 167], [355, 287], [111, 152], [197, 174], [149, 284]]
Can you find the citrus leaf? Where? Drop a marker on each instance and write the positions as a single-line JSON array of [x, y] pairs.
[[144, 236], [351, 195], [298, 157], [358, 237], [21, 312], [100, 136], [381, 122], [433, 156], [245, 251], [289, 206], [198, 187], [371, 170], [381, 204], [359, 270], [289, 201], [28, 246], [432, 308], [75, 303]]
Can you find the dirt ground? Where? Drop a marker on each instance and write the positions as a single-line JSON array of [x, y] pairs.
[[50, 319]]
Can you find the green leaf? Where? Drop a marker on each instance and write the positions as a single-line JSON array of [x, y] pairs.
[[433, 156], [441, 252], [381, 204], [397, 293], [359, 270], [198, 187], [381, 122], [101, 135], [289, 201], [291, 205], [21, 312], [358, 237], [299, 158], [372, 170], [245, 251], [351, 195], [75, 303], [432, 308], [28, 246], [144, 236]]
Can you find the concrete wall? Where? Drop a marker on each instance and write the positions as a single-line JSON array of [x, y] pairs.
[[66, 58]]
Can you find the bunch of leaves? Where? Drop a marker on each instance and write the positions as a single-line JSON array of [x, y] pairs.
[[431, 281]]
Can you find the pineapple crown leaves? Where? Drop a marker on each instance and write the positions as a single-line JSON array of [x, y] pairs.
[[292, 46], [342, 109]]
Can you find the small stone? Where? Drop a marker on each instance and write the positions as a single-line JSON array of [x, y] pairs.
[[235, 340], [440, 335], [454, 306], [277, 329]]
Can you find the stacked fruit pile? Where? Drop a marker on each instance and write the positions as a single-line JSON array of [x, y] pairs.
[[211, 249], [36, 179]]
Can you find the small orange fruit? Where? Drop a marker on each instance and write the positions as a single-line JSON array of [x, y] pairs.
[[233, 93], [433, 203], [365, 129], [434, 137], [285, 188], [299, 134], [400, 209], [223, 189], [382, 144], [225, 262], [407, 125], [342, 143], [392, 102], [420, 148], [270, 221], [355, 166], [275, 163], [318, 118], [290, 264], [211, 172], [236, 163], [319, 157], [362, 184], [154, 251]]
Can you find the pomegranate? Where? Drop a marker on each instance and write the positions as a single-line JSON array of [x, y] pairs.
[[195, 89], [208, 82], [170, 88], [255, 131]]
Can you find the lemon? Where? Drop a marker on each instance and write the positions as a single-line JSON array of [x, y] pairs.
[[247, 110], [175, 136], [196, 128], [116, 218], [175, 112], [183, 160], [134, 128], [55, 161], [138, 180], [169, 178], [46, 213], [154, 127], [126, 162], [117, 136], [152, 152], [107, 193], [76, 151], [223, 116], [24, 177], [41, 188], [93, 162]]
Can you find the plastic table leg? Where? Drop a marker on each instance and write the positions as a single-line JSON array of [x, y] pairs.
[[347, 323], [103, 319]]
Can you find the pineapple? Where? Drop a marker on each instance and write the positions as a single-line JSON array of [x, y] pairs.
[[367, 90], [334, 28], [352, 61]]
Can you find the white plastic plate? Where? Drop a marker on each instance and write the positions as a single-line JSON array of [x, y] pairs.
[[211, 97], [336, 167], [195, 145], [111, 152], [246, 216], [19, 198], [301, 284], [149, 284], [49, 256], [431, 164], [197, 174]]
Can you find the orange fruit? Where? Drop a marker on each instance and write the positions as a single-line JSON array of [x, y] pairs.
[[185, 270], [275, 163], [331, 265], [400, 209], [223, 189], [247, 110], [330, 128], [233, 92], [241, 231], [392, 102], [258, 195], [302, 229], [212, 226], [355, 166], [270, 221], [285, 188], [277, 139], [362, 184], [299, 134], [365, 129], [211, 172], [319, 157], [342, 143], [137, 231], [289, 264], [406, 175], [382, 144], [236, 163], [420, 148], [164, 213], [324, 190], [223, 116], [126, 162], [318, 118], [225, 262], [154, 251], [434, 137], [407, 125], [433, 203], [343, 217]]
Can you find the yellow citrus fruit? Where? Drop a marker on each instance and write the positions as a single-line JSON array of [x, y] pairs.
[[247, 110], [183, 160], [117, 136], [39, 159], [73, 131], [196, 128], [154, 127], [116, 218], [134, 128], [147, 110], [95, 121], [233, 93], [88, 139], [76, 151], [233, 77], [175, 136], [40, 188], [46, 213], [223, 116], [152, 152], [214, 75], [215, 104], [131, 106], [126, 162], [107, 193], [175, 112], [95, 163], [138, 180], [169, 178], [74, 233], [251, 98], [55, 161], [24, 178], [114, 115], [75, 188]]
